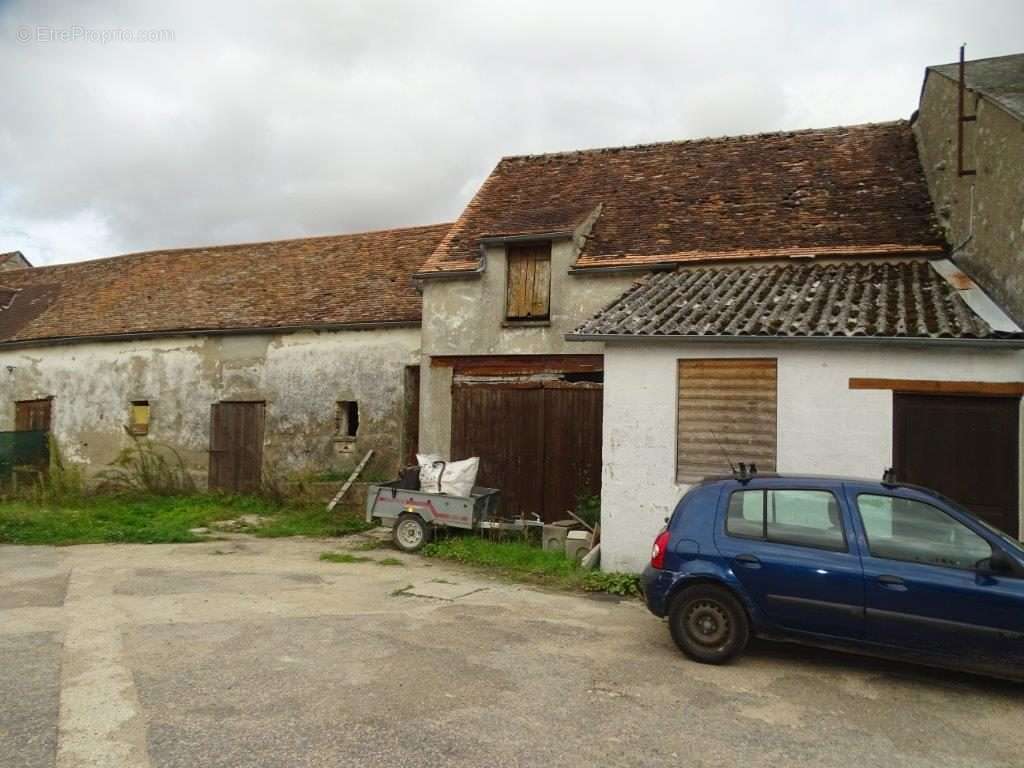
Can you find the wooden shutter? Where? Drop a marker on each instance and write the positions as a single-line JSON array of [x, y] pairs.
[[529, 281], [726, 408], [32, 415]]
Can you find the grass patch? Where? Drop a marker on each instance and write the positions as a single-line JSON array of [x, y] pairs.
[[158, 519], [343, 557], [521, 561], [389, 561], [312, 519], [96, 519]]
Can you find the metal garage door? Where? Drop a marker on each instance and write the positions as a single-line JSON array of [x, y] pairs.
[[539, 442], [964, 447]]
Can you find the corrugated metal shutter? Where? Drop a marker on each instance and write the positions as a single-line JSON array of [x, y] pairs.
[[726, 407]]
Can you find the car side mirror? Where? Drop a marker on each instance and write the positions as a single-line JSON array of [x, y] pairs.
[[1000, 562]]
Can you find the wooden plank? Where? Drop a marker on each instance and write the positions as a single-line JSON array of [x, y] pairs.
[[516, 302], [540, 296], [513, 365], [351, 479], [727, 409], [528, 280], [936, 387]]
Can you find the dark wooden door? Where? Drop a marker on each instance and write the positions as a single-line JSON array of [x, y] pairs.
[[411, 416], [572, 445], [964, 447], [236, 446], [539, 443], [504, 426], [32, 415]]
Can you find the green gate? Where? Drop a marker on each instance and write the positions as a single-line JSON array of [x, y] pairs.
[[21, 451]]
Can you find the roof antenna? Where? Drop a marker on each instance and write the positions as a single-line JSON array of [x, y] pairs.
[[725, 453]]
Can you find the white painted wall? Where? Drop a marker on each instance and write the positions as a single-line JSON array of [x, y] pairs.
[[823, 425], [300, 376]]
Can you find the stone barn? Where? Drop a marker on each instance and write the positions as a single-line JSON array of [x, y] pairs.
[[280, 357]]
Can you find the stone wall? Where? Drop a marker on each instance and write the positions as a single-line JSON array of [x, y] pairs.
[[466, 317], [301, 377], [994, 146]]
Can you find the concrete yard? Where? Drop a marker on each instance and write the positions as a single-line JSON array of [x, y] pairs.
[[254, 653]]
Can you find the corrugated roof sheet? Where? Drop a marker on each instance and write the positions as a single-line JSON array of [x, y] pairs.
[[1001, 78], [847, 190], [358, 279], [853, 299]]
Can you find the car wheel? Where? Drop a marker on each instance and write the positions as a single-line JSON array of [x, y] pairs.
[[410, 533], [708, 624]]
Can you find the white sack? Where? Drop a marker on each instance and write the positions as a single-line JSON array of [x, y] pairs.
[[459, 477], [456, 478], [429, 474]]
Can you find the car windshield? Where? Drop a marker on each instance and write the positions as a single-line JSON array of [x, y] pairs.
[[1006, 538]]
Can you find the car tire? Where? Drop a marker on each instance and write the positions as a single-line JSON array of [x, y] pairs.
[[708, 624], [410, 533]]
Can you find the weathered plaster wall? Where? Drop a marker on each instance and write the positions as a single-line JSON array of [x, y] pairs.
[[823, 425], [466, 317], [994, 145], [300, 376]]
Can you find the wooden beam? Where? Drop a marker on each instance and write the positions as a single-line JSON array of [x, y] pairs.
[[510, 365], [931, 387]]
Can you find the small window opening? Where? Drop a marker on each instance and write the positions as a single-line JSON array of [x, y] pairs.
[[347, 418], [140, 414]]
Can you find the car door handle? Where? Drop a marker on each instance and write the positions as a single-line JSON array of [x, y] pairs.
[[748, 561], [893, 582]]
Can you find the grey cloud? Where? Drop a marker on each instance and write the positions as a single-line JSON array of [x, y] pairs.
[[261, 120]]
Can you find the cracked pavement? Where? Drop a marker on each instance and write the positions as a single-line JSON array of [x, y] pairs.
[[254, 653]]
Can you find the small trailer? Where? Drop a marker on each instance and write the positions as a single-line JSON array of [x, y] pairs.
[[414, 515]]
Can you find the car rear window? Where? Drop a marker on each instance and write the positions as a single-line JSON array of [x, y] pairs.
[[806, 518]]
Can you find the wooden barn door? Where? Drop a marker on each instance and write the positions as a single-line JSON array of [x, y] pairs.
[[572, 445], [538, 442], [965, 448], [236, 446], [501, 425]]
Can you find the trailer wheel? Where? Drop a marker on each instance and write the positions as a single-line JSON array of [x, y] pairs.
[[410, 533]]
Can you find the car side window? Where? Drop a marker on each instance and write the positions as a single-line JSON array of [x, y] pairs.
[[806, 518], [912, 531], [745, 517]]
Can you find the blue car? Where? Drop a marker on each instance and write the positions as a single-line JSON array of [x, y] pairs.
[[874, 567]]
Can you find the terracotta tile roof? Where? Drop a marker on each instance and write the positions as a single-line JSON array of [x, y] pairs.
[[836, 190], [341, 280], [851, 299]]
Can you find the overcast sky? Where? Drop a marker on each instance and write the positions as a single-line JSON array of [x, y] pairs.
[[258, 120]]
